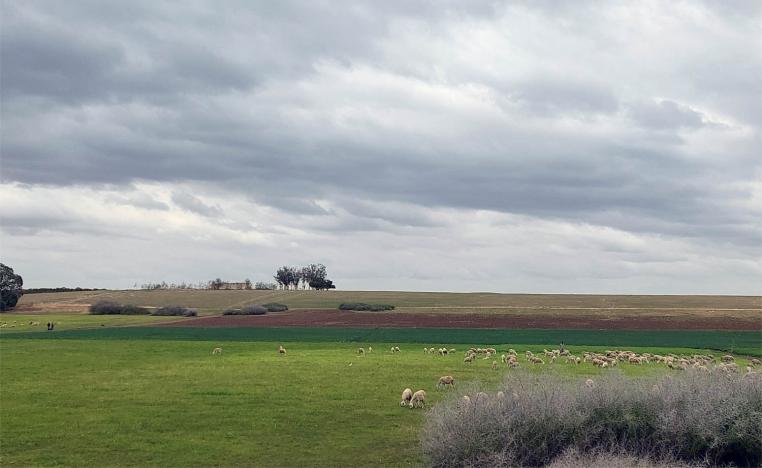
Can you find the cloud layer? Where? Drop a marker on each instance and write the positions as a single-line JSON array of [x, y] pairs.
[[512, 146]]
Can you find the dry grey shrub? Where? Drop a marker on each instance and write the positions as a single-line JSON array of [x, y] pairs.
[[693, 417]]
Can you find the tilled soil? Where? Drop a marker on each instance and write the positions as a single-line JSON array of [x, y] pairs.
[[566, 320]]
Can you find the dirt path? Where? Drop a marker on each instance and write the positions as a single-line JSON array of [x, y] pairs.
[[344, 319]]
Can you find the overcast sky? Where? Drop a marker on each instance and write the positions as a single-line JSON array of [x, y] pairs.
[[468, 146]]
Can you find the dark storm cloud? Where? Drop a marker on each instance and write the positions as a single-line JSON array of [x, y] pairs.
[[249, 98]]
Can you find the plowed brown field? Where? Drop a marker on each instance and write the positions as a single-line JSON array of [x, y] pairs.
[[345, 319]]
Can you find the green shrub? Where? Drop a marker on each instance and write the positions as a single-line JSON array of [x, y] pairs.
[[114, 308], [247, 310], [174, 311], [693, 418], [361, 306], [275, 307]]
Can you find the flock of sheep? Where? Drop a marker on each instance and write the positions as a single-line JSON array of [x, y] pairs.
[[607, 359], [15, 323]]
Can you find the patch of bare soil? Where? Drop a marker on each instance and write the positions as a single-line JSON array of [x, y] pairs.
[[346, 319]]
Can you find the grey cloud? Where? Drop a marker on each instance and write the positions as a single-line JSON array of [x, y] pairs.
[[665, 114], [236, 97], [190, 202], [562, 96]]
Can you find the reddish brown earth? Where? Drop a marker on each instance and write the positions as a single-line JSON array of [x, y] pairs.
[[345, 319]]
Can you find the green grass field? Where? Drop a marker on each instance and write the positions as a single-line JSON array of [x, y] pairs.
[[127, 397]]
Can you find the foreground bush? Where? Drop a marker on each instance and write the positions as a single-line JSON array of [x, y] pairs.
[[174, 311], [114, 308], [275, 307], [361, 306], [693, 417], [247, 310]]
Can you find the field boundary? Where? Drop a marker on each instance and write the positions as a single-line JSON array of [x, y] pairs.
[[745, 342]]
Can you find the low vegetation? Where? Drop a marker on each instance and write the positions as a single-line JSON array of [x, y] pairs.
[[361, 306], [275, 307], [693, 417], [247, 310], [174, 311], [115, 308]]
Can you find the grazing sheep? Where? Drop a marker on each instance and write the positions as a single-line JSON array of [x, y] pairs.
[[503, 359], [281, 350], [728, 358], [217, 351], [407, 394], [536, 360], [395, 349], [452, 350], [418, 400], [589, 383], [494, 365], [361, 351], [755, 362], [469, 358], [425, 350], [446, 381], [370, 349], [500, 395]]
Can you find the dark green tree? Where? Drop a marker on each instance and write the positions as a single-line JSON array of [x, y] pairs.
[[10, 288]]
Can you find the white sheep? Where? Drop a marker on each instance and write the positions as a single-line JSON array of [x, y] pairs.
[[281, 350], [217, 351], [407, 394], [500, 395], [589, 383], [446, 381], [418, 400], [452, 350], [361, 351], [370, 349], [494, 365]]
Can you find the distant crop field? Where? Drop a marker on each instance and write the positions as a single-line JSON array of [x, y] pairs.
[[207, 300], [159, 397]]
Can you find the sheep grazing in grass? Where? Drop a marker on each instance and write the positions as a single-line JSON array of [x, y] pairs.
[[370, 349], [425, 350], [446, 381], [452, 350], [395, 349], [503, 358], [494, 365], [407, 394], [466, 399], [217, 351], [500, 395], [469, 358], [418, 400], [281, 350], [536, 360], [361, 351], [728, 358], [529, 354], [589, 383], [755, 362]]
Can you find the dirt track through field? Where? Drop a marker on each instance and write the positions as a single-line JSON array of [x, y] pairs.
[[345, 319]]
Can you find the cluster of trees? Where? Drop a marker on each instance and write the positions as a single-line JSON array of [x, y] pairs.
[[214, 284], [313, 276], [11, 287], [61, 289]]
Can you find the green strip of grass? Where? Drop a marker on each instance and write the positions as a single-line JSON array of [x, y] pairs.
[[748, 342]]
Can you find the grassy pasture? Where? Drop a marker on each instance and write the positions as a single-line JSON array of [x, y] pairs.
[[437, 302], [159, 402], [74, 321], [743, 342]]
